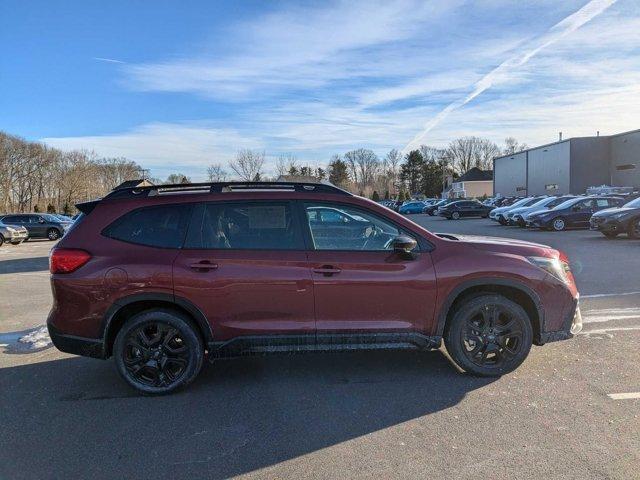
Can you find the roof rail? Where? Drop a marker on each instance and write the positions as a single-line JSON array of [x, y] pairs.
[[223, 187]]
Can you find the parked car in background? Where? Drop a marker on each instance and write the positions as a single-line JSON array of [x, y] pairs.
[[14, 234], [415, 206], [523, 218], [499, 214], [156, 279], [39, 225], [574, 213], [431, 209], [463, 208], [64, 219], [613, 221]]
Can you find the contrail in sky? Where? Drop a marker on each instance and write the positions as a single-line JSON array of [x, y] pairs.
[[555, 33]]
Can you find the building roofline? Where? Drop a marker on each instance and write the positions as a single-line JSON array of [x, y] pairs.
[[567, 140]]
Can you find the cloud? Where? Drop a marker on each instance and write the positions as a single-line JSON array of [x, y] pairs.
[[503, 71], [165, 148], [108, 60]]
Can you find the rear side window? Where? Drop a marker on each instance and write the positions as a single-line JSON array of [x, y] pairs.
[[244, 226], [163, 226]]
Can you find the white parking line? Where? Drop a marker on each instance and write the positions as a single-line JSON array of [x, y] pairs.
[[610, 314], [607, 330], [624, 396], [601, 295]]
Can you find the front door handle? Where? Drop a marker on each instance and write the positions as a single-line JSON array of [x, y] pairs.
[[327, 270], [204, 265]]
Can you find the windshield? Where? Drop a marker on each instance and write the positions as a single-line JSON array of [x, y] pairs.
[[633, 203], [542, 202], [520, 203], [568, 203], [50, 218]]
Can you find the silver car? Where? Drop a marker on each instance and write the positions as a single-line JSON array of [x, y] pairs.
[[13, 234]]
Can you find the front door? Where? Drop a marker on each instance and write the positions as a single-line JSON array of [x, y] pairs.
[[244, 266], [581, 213], [360, 284]]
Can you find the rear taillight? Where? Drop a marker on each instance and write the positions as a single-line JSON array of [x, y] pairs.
[[67, 260]]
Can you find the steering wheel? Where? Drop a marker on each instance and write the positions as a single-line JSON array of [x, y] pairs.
[[373, 234]]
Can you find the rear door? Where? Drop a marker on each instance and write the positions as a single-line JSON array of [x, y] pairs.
[[581, 212], [245, 267], [360, 284]]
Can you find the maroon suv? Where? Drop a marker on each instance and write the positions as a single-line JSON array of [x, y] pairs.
[[159, 277]]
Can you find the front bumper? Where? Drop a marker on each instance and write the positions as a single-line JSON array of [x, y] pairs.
[[606, 226], [570, 327]]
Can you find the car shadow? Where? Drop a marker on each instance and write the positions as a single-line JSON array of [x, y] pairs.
[[23, 265], [239, 416]]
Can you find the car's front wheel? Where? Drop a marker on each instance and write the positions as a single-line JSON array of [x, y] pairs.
[[158, 351], [1, 240], [610, 235], [489, 335], [559, 224]]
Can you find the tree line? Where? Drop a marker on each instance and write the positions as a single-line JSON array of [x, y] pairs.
[[37, 178], [361, 171]]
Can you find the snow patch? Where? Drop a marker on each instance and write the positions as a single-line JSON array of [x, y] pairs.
[[37, 339]]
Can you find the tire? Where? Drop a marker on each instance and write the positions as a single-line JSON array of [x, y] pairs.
[[1, 240], [634, 228], [502, 221], [157, 339], [473, 340], [53, 234], [455, 215], [558, 224], [610, 235], [431, 213]]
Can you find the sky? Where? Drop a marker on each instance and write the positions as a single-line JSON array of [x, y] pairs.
[[177, 86]]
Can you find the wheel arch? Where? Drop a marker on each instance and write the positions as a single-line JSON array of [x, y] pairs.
[[511, 289], [119, 312]]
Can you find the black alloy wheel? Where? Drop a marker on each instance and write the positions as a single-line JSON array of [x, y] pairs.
[[158, 351], [489, 335], [455, 215]]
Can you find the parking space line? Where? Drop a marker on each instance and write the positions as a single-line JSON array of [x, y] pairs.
[[601, 295], [624, 396], [607, 330]]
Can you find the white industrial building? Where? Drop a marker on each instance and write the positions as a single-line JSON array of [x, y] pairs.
[[570, 166]]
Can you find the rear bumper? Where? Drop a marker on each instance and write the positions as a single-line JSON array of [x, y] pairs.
[[86, 347]]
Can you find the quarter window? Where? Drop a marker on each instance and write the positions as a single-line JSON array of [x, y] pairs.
[[340, 227], [244, 226], [162, 226]]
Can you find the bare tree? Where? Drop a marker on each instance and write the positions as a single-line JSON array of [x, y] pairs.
[[176, 178], [512, 146], [248, 165], [286, 163], [364, 165], [467, 152], [216, 173]]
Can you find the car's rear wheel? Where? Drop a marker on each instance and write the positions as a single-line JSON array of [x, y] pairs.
[[558, 224], [158, 351], [489, 335], [610, 234], [53, 234], [455, 215], [634, 228]]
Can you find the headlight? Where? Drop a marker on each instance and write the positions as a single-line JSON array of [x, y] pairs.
[[12, 230], [554, 266]]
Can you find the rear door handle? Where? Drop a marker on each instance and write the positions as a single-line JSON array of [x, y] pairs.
[[327, 270], [204, 265]]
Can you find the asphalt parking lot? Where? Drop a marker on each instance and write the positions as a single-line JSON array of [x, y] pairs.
[[343, 415]]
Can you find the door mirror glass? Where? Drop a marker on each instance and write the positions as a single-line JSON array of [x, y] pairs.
[[403, 244]]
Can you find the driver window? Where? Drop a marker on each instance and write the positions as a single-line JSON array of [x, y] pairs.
[[342, 227]]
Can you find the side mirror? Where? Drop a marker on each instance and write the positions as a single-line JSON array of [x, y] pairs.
[[40, 220], [403, 246]]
